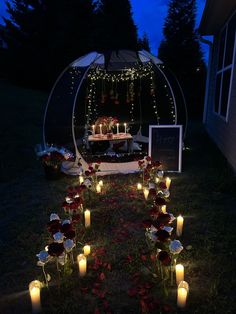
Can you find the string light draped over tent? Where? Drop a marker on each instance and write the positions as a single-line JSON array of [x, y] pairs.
[[101, 105]]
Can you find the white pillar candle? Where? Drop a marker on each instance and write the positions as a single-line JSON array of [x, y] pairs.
[[98, 188], [146, 193], [182, 297], [184, 284], [117, 128], [100, 126], [93, 127], [82, 263], [179, 272], [163, 209], [125, 125], [179, 228], [81, 179], [157, 180], [34, 290], [87, 250], [168, 182], [100, 183], [87, 218], [139, 186]]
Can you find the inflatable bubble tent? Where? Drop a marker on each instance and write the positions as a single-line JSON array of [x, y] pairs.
[[102, 104]]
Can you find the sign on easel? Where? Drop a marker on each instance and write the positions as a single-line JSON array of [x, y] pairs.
[[165, 145]]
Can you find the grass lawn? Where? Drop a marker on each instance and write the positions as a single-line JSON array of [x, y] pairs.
[[205, 193]]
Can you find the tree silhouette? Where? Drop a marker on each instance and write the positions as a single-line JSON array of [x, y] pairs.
[[143, 43], [180, 50]]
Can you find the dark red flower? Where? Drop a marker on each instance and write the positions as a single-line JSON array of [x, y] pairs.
[[162, 235], [90, 168], [162, 185], [148, 158], [164, 219], [54, 226], [147, 223], [66, 228], [159, 201], [152, 192], [164, 258], [55, 249], [76, 218], [70, 234], [87, 173], [154, 212]]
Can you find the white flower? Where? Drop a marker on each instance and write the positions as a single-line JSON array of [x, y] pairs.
[[54, 216], [168, 229], [69, 245], [66, 221], [160, 173], [43, 257], [151, 185], [172, 218], [175, 247], [151, 236], [87, 183], [153, 229], [166, 193], [58, 237], [69, 200]]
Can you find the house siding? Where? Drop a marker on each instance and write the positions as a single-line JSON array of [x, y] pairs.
[[221, 131]]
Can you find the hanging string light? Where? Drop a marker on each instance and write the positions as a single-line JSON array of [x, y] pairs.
[[153, 97]]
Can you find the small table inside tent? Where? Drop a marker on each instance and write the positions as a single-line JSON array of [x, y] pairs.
[[120, 137]]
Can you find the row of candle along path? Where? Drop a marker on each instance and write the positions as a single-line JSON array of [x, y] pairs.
[[117, 128], [35, 285], [183, 286]]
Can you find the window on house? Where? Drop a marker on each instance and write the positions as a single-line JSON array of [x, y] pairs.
[[224, 67]]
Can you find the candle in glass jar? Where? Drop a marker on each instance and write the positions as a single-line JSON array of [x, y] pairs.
[[179, 228], [117, 128], [87, 218], [181, 297], [98, 188], [163, 209], [87, 250], [100, 183], [34, 290], [82, 263], [139, 186], [125, 125], [100, 126], [146, 193], [179, 272], [168, 182], [93, 127]]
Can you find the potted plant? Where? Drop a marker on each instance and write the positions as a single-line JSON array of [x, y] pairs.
[[52, 164]]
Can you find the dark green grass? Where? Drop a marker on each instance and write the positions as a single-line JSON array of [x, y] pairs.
[[205, 193]]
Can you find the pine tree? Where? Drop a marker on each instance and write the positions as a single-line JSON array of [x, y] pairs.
[[45, 35], [180, 50], [116, 28], [143, 43]]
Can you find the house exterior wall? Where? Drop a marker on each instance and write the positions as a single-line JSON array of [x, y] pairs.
[[222, 130]]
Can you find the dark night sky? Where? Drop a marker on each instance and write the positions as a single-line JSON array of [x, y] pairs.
[[149, 17]]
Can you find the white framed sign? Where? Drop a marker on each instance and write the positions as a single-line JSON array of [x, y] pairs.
[[165, 145]]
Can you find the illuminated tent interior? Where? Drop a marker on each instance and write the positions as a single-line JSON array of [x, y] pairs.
[[101, 106]]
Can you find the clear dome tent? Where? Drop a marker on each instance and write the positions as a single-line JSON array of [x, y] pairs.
[[101, 105]]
